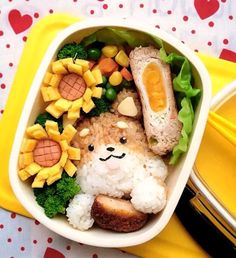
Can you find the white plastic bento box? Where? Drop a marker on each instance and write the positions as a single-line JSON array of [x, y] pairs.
[[178, 176]]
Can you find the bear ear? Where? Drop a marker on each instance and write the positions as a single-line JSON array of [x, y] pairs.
[[128, 104]]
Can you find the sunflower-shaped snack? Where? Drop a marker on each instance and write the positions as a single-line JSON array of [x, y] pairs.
[[70, 86], [46, 153]]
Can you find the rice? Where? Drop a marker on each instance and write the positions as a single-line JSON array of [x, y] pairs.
[[78, 211]]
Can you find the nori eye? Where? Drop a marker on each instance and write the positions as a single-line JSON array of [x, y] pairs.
[[90, 147], [123, 140]]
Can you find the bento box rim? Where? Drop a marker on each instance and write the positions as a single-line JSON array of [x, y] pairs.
[[187, 164], [216, 101]]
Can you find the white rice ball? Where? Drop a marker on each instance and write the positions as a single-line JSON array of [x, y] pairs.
[[78, 211], [149, 196]]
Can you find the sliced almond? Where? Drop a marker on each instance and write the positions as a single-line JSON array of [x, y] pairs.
[[122, 125], [127, 107], [84, 132]]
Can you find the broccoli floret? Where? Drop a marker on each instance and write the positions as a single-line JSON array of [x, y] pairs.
[[42, 118], [54, 198], [73, 50], [101, 106]]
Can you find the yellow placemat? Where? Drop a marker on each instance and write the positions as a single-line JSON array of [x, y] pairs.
[[174, 239]]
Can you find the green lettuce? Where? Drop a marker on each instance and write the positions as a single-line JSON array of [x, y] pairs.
[[121, 36], [185, 95]]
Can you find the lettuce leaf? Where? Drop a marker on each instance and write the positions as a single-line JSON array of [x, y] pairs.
[[121, 36], [185, 95]]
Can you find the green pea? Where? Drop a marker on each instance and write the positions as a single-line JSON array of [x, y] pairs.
[[108, 85], [111, 94], [94, 53], [104, 81], [104, 91], [126, 84]]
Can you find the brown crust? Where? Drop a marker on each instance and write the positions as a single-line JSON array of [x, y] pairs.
[[117, 214]]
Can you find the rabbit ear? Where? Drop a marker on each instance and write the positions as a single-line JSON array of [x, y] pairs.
[[127, 103]]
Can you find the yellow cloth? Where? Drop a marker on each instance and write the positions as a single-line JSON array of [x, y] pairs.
[[174, 240]]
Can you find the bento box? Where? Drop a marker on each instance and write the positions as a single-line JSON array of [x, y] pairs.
[[212, 184], [37, 102]]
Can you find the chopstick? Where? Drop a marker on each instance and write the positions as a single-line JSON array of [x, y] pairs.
[[226, 128]]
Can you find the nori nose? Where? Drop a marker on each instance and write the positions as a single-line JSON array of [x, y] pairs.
[[110, 149]]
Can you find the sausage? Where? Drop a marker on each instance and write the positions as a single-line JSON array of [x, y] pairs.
[[153, 81], [117, 214]]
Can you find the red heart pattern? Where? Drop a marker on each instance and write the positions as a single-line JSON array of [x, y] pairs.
[[53, 253], [18, 22], [206, 8]]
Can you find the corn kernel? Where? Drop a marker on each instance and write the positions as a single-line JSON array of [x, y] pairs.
[[75, 68], [63, 104], [89, 78], [87, 95], [88, 106], [28, 145], [53, 110], [122, 59], [115, 79], [55, 80], [110, 50], [74, 153], [58, 68], [47, 78], [70, 168], [97, 92]]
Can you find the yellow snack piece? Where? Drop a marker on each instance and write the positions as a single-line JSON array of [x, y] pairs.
[[70, 168], [64, 145], [54, 135], [75, 68], [53, 93], [42, 175], [51, 125], [66, 121], [23, 174], [72, 115], [58, 68], [54, 170], [110, 50], [55, 80], [44, 92], [97, 92], [74, 153], [122, 59], [28, 145], [63, 158], [77, 104], [87, 95], [68, 133], [83, 63], [67, 61], [33, 168], [53, 110], [36, 131], [96, 67], [63, 104], [25, 159], [47, 78], [53, 179], [88, 106], [115, 79], [97, 75], [38, 184], [89, 78]]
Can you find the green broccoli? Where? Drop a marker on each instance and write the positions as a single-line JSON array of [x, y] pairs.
[[43, 117], [102, 106], [73, 50], [54, 198]]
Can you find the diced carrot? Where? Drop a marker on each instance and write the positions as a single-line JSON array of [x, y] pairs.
[[107, 66], [126, 74], [91, 64]]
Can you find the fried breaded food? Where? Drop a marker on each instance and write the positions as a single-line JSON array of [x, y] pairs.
[[117, 214]]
